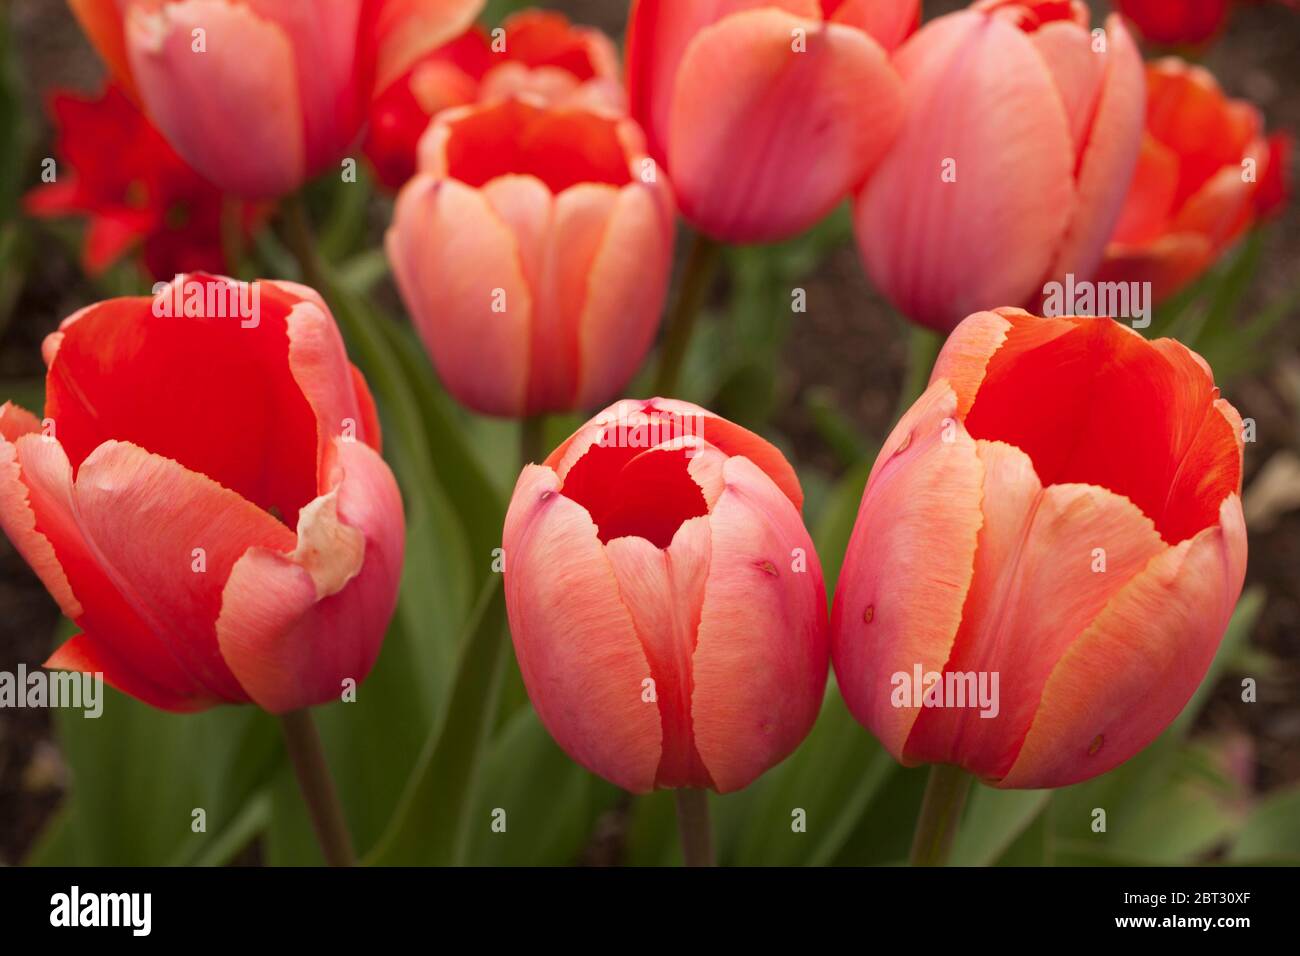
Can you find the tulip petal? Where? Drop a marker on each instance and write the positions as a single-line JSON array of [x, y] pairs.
[[256, 438], [1036, 587], [1134, 669], [1109, 158], [658, 33], [624, 292], [765, 137], [199, 100], [961, 215], [405, 30], [888, 22], [581, 659], [294, 626], [663, 590], [761, 654], [84, 654], [454, 260], [1059, 402], [17, 517], [909, 563]]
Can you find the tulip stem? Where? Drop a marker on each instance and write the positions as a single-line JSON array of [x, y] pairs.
[[297, 233], [302, 742], [532, 440], [697, 279], [945, 796], [693, 824]]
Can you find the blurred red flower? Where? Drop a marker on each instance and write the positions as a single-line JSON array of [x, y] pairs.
[[541, 54], [133, 188]]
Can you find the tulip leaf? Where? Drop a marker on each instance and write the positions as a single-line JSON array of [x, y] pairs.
[[993, 821], [430, 826], [1271, 833], [546, 806]]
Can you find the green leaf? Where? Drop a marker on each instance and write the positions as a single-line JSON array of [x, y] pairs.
[[1271, 833], [431, 825], [993, 821]]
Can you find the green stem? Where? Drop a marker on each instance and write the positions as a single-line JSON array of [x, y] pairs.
[[303, 744], [532, 440], [697, 278], [297, 233], [945, 796], [693, 825]]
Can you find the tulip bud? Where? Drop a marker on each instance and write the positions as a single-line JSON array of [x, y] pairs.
[[1047, 554], [188, 435], [666, 602], [310, 71], [766, 115], [536, 52], [1021, 135], [533, 252], [1205, 175]]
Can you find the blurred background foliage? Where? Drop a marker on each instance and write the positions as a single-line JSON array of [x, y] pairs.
[[442, 738]]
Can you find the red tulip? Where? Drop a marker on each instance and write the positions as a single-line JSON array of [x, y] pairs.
[[533, 252], [185, 437], [139, 193], [1206, 173], [666, 603], [260, 95], [1021, 136], [1176, 21], [1059, 512], [765, 114], [541, 54]]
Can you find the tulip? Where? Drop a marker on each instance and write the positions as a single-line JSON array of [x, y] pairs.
[[185, 437], [1205, 175], [540, 54], [139, 195], [666, 603], [1176, 21], [1021, 136], [765, 114], [533, 252], [260, 95], [1057, 519]]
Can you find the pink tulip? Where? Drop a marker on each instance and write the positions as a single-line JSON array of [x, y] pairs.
[[666, 603], [1021, 136], [766, 113], [186, 437], [533, 252], [259, 95], [1056, 522]]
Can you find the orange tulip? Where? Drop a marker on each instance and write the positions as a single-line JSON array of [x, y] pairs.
[[259, 95], [205, 497], [765, 114], [533, 252], [666, 603], [541, 54], [1021, 135], [1206, 173], [1056, 520]]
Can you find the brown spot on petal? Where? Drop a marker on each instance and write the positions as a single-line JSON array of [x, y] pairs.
[[1096, 744], [869, 614], [767, 567], [903, 445]]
